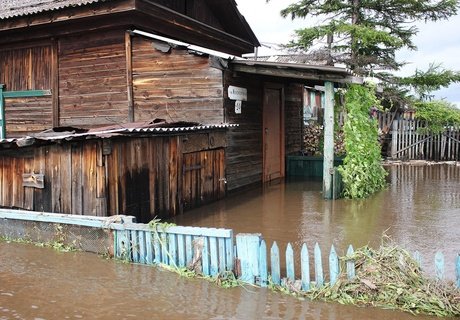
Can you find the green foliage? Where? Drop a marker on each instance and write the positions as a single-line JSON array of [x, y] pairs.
[[435, 78], [362, 172], [365, 34], [437, 114]]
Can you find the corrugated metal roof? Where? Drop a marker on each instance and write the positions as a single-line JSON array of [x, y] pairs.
[[17, 8], [112, 131], [295, 66], [292, 58]]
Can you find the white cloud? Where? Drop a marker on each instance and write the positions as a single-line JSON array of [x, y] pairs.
[[436, 42]]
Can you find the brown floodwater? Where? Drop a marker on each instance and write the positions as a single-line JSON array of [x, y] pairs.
[[420, 210], [40, 283]]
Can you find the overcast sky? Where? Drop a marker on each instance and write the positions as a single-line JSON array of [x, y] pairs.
[[436, 42]]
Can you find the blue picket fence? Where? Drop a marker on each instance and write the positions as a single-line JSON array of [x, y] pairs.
[[210, 249], [213, 250], [253, 255]]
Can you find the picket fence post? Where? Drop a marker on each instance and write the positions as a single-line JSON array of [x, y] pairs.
[[275, 263], [247, 248], [333, 266], [263, 264], [319, 278], [439, 265], [305, 266], [351, 272], [290, 272]]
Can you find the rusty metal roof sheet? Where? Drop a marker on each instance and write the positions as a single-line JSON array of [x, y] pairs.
[[131, 129], [18, 8]]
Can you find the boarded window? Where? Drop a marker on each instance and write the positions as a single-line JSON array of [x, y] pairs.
[[26, 68]]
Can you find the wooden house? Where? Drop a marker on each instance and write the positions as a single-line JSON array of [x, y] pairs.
[[142, 125]]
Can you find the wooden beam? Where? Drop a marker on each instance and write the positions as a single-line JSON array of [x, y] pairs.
[[55, 81], [2, 114], [328, 140], [129, 75]]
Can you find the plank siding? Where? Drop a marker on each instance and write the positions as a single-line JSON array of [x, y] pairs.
[[27, 69], [244, 153], [176, 86], [144, 177], [293, 107], [92, 79]]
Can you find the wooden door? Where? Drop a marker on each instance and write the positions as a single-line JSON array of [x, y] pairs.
[[273, 131], [203, 177]]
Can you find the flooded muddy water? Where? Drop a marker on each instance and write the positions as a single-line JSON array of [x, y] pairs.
[[39, 283], [420, 210]]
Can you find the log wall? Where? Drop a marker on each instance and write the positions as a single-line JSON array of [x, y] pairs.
[[174, 85]]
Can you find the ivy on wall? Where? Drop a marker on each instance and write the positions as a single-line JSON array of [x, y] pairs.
[[362, 171]]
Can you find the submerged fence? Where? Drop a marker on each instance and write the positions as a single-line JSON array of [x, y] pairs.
[[208, 251]]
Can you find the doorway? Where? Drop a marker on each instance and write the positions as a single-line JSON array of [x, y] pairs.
[[273, 132]]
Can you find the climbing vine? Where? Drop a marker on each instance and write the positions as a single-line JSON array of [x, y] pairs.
[[362, 171]]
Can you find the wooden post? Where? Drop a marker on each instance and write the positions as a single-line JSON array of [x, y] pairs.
[[457, 269], [129, 75], [247, 248], [2, 114], [328, 139]]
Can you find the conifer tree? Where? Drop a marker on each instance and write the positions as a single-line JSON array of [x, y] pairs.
[[364, 34]]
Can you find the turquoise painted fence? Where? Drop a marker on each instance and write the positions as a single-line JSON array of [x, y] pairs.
[[215, 251], [210, 250], [253, 255]]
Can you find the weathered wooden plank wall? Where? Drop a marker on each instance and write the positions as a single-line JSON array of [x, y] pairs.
[[293, 106], [244, 153], [203, 177], [69, 172], [143, 177], [92, 79], [174, 85], [27, 68]]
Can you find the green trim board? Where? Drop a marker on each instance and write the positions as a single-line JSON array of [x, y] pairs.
[[26, 93], [16, 94]]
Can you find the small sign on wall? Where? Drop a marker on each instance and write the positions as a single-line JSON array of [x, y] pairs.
[[238, 105], [237, 93], [34, 180]]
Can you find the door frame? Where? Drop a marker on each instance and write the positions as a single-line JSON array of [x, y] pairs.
[[282, 134]]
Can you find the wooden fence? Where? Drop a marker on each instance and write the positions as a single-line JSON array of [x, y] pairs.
[[207, 250], [410, 142], [212, 251], [253, 258]]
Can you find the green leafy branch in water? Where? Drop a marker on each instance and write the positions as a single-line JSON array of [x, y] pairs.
[[387, 277], [362, 171], [156, 224]]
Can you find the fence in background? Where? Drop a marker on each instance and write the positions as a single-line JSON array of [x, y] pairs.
[[408, 141]]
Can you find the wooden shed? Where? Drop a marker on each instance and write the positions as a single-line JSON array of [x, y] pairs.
[[93, 64]]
